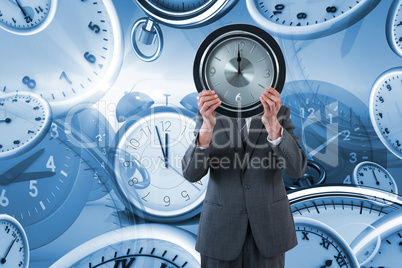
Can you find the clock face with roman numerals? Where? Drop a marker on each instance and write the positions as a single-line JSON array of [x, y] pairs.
[[75, 59]]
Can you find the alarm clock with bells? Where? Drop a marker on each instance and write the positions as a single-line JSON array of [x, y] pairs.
[[137, 246], [374, 175], [150, 146], [14, 246], [25, 119], [239, 62], [24, 17], [330, 249], [385, 106], [173, 13], [66, 63], [394, 27], [308, 19], [349, 210]]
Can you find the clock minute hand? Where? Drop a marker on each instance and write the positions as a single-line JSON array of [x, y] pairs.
[[29, 176], [4, 259], [238, 60], [160, 142], [22, 9], [375, 177]]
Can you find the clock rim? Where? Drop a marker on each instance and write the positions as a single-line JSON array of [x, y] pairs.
[[240, 30], [393, 11]]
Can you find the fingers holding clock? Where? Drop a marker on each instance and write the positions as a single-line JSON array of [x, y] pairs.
[[208, 101], [271, 100]]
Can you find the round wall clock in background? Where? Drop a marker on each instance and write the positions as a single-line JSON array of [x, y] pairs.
[[239, 62], [71, 60], [394, 27]]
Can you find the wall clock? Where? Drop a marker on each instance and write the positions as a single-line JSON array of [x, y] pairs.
[[394, 27], [148, 168], [138, 246], [25, 119], [306, 19], [14, 246], [239, 62], [330, 249], [374, 175], [174, 13], [66, 63], [385, 106]]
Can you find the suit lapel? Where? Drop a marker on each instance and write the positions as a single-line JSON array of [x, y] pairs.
[[256, 127], [229, 126]]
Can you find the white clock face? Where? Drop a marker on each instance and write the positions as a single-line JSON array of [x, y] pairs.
[[156, 186], [373, 175], [239, 70], [26, 17], [394, 27], [24, 120], [74, 60], [307, 19], [386, 109], [14, 249]]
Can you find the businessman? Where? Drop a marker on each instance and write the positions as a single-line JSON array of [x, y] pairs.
[[246, 219]]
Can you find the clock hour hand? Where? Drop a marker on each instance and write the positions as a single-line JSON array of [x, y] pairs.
[[160, 142], [15, 171], [29, 176], [7, 120], [4, 259], [22, 9], [238, 60]]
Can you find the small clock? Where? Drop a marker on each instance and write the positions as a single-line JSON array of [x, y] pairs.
[[239, 62], [374, 175], [148, 168], [14, 246], [26, 17], [74, 60], [138, 246], [385, 106], [394, 27], [308, 19], [25, 119], [330, 249]]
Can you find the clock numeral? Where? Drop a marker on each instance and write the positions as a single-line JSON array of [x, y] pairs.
[[279, 8], [184, 194], [16, 142], [50, 163], [64, 75], [347, 132], [267, 73], [305, 236], [166, 199], [347, 180], [353, 157], [134, 144], [38, 118], [54, 133], [39, 9], [7, 229], [212, 71], [332, 9], [166, 125], [1, 14], [3, 199], [340, 259], [33, 188], [389, 87], [124, 263], [36, 108], [381, 99], [89, 57], [238, 98], [31, 132], [398, 143], [29, 82], [28, 19], [240, 46], [301, 15], [143, 198], [94, 27], [325, 243]]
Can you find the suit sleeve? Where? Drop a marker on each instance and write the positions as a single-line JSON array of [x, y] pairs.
[[195, 162], [295, 160]]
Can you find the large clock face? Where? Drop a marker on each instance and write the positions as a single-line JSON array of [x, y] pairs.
[[239, 62], [72, 60], [149, 168]]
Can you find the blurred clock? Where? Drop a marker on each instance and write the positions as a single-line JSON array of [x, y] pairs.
[[308, 19], [394, 27], [386, 109], [138, 246], [75, 59]]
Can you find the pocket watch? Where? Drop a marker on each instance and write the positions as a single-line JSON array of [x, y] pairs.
[[336, 133], [306, 19], [14, 246], [138, 246], [47, 187], [239, 62], [174, 13], [66, 63], [385, 106], [25, 119], [148, 168], [371, 174], [394, 27], [330, 249], [24, 17]]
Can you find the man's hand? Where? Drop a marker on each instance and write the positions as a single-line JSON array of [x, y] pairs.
[[271, 100], [208, 101]]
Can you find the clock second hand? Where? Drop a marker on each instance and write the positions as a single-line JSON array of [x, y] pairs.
[[179, 173]]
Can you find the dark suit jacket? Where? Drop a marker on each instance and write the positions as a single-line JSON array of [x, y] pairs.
[[245, 186]]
